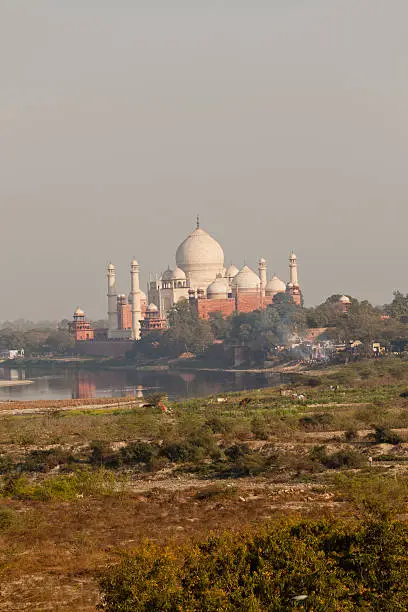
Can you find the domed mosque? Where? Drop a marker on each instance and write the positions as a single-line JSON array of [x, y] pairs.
[[201, 277]]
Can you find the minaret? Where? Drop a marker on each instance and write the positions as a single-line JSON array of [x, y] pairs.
[[135, 293], [112, 306], [293, 275], [262, 274]]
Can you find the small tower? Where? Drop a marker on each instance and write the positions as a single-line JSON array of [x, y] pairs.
[[135, 293], [112, 307], [262, 274], [80, 328], [293, 275], [293, 288]]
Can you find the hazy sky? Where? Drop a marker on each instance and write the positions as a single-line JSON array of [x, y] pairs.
[[282, 122]]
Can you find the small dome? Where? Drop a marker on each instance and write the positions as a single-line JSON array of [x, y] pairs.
[[178, 274], [246, 279], [111, 267], [152, 308], [262, 260], [344, 299], [219, 287], [231, 271], [275, 285], [167, 275], [79, 312], [134, 262], [292, 255]]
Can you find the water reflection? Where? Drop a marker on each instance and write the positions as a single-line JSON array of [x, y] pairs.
[[77, 383]]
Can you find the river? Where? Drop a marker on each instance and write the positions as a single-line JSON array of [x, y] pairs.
[[58, 383]]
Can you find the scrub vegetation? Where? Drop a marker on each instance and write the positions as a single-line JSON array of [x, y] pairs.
[[299, 484]]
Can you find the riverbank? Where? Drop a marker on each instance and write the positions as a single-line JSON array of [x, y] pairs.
[[15, 383]]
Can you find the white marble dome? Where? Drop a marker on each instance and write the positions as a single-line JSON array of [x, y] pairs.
[[275, 285], [231, 271], [152, 308], [178, 274], [218, 289], [246, 280], [201, 258]]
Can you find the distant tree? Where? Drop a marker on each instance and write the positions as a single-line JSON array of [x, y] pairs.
[[220, 325], [398, 309], [59, 341], [186, 332]]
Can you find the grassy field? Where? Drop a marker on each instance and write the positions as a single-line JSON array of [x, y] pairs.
[[80, 486]]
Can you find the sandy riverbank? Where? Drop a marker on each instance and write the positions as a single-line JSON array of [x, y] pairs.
[[14, 383]]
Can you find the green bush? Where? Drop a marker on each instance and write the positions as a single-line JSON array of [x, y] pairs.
[[260, 428], [337, 566], [8, 519], [45, 460], [386, 436], [63, 487], [337, 460], [316, 422], [102, 454], [138, 452]]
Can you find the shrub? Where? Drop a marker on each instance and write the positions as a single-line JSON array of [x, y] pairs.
[[45, 460], [344, 459], [177, 451], [316, 421], [314, 381], [138, 452], [259, 428], [196, 446], [386, 436], [361, 566], [6, 464], [218, 425], [8, 519], [244, 462], [61, 487], [102, 454], [351, 434], [336, 460]]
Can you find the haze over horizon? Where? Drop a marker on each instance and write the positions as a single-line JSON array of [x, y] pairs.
[[283, 124]]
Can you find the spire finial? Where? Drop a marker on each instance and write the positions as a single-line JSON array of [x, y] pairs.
[[198, 221]]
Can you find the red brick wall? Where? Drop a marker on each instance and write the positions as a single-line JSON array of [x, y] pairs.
[[242, 303], [104, 348], [247, 302], [226, 307], [124, 316]]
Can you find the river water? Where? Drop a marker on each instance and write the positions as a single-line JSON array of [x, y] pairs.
[[57, 383]]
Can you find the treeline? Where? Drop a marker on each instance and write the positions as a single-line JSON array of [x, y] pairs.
[[38, 340], [265, 330], [321, 565]]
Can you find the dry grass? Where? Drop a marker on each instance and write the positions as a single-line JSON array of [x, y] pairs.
[[51, 551]]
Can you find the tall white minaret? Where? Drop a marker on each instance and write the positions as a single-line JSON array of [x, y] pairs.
[[112, 305], [293, 275], [262, 274], [135, 293]]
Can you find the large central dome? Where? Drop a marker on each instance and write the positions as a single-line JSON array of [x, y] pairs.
[[201, 258]]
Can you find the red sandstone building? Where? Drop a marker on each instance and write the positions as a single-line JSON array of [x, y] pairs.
[[80, 328]]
